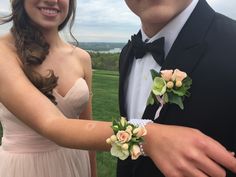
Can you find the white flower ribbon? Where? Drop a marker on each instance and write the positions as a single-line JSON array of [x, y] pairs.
[[161, 101]]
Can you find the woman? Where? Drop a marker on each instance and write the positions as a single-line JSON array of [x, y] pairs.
[[61, 72]]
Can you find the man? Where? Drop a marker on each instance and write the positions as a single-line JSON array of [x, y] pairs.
[[200, 42]]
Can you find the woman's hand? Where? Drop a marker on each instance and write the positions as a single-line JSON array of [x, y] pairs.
[[180, 151]]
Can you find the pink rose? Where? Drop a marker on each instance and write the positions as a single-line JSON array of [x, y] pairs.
[[178, 75], [135, 152], [123, 136], [166, 74], [140, 132]]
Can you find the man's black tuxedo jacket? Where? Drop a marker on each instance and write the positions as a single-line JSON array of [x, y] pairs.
[[205, 49]]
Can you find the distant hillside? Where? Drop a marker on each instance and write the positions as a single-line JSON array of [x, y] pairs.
[[100, 46]]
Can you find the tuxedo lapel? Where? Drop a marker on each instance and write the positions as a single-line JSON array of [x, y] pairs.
[[126, 60], [189, 47]]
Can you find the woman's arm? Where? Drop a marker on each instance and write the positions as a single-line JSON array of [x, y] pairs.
[[21, 98]]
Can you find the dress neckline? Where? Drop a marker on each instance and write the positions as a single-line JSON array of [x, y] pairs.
[[70, 90]]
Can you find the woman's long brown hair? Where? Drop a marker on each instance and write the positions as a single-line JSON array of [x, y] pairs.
[[32, 47]]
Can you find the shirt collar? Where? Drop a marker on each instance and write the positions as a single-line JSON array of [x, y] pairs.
[[172, 29]]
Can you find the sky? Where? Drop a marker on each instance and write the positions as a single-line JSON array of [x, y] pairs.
[[111, 20]]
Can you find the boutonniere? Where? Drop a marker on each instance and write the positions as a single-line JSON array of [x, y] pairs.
[[169, 86]]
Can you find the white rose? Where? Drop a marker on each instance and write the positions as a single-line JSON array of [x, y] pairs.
[[118, 151]]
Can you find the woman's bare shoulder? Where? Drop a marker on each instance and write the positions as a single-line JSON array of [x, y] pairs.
[[6, 38], [8, 55], [76, 51], [7, 44], [82, 54]]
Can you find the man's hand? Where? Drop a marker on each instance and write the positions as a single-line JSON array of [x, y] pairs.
[[185, 152]]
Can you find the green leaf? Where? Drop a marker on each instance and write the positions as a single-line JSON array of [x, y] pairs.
[[114, 122], [166, 98], [187, 94], [187, 82], [180, 92], [176, 100], [135, 140], [150, 100], [154, 74]]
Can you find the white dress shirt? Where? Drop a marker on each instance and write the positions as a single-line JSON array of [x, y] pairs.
[[140, 79]]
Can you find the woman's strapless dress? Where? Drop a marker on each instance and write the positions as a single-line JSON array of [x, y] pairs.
[[25, 153]]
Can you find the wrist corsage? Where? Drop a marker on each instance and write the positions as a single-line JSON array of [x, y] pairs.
[[127, 139], [169, 87]]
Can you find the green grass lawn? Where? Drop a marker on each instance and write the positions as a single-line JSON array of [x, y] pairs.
[[105, 107]]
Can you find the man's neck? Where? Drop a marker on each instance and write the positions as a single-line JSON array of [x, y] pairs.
[[151, 29]]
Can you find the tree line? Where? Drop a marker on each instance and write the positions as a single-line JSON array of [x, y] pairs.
[[105, 61]]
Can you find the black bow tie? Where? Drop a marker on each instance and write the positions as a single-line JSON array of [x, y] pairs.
[[156, 48]]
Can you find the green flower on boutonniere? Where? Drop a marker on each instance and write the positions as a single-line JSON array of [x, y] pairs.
[[159, 86], [169, 87]]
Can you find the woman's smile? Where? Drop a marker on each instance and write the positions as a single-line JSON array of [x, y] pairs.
[[48, 11]]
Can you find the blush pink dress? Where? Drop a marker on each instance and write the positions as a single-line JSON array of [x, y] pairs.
[[25, 153]]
